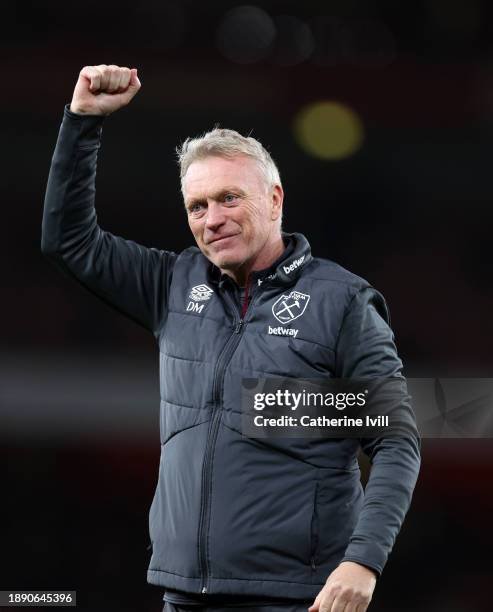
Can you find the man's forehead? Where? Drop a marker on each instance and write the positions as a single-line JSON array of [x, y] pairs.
[[216, 172]]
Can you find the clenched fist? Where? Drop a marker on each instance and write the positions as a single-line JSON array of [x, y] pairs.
[[101, 90]]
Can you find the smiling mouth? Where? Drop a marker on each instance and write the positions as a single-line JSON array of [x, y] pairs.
[[221, 238]]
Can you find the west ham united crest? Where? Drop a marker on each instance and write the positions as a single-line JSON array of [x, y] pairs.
[[289, 307]]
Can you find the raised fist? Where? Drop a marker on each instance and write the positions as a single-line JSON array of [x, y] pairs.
[[101, 90]]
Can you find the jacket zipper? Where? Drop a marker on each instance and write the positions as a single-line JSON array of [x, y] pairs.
[[223, 360], [314, 530]]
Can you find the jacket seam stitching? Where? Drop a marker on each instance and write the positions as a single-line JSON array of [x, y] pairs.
[[181, 431], [188, 314], [174, 573], [265, 374], [183, 358], [356, 284], [90, 147], [346, 312], [233, 579], [312, 465], [184, 405]]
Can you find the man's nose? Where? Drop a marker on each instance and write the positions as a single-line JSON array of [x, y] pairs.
[[215, 215]]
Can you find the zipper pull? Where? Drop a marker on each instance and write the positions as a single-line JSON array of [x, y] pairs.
[[239, 326], [314, 567], [204, 590]]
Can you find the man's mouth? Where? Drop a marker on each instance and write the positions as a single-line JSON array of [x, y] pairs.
[[218, 238]]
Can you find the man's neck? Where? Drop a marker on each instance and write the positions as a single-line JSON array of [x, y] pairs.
[[268, 256]]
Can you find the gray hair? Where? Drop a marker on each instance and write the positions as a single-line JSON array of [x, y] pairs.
[[226, 143]]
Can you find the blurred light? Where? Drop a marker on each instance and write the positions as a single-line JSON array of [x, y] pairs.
[[246, 34], [294, 41], [329, 130]]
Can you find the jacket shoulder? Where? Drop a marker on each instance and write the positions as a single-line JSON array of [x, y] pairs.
[[192, 256], [331, 272], [190, 252], [346, 285]]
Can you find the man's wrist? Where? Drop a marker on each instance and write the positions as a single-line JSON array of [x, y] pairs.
[[366, 567], [84, 131], [75, 113], [79, 111]]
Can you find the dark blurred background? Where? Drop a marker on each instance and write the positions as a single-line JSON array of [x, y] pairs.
[[380, 116]]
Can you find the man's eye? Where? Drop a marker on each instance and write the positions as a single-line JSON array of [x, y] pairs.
[[194, 208], [229, 197]]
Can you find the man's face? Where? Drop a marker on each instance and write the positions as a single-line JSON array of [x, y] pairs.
[[231, 210]]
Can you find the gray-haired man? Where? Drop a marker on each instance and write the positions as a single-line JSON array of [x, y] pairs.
[[235, 521]]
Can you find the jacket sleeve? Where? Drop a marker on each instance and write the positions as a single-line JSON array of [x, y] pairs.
[[366, 349], [131, 278]]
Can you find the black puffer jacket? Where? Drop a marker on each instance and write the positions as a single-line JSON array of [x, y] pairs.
[[233, 514]]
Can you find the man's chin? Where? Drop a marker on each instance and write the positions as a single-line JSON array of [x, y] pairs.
[[226, 263]]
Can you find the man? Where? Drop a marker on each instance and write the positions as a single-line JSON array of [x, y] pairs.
[[238, 521]]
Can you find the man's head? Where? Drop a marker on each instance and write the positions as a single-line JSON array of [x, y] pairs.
[[233, 199]]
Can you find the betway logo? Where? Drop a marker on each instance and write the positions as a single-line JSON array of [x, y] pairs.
[[282, 331], [296, 264]]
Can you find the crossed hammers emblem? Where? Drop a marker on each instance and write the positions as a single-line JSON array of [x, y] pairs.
[[290, 307]]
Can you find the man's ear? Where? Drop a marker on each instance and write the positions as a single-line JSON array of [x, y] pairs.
[[277, 200]]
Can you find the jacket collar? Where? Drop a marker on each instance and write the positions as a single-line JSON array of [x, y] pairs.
[[284, 271]]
